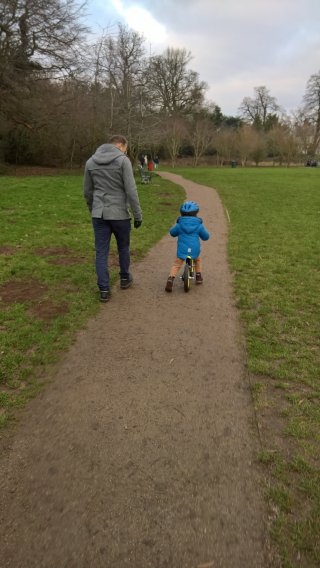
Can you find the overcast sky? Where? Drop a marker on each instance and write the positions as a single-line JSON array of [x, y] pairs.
[[236, 44]]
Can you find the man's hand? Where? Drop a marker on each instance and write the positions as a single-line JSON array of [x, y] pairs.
[[137, 224]]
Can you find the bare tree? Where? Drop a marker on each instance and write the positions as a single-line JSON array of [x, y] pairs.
[[172, 86], [284, 143], [39, 41], [311, 110], [41, 36], [260, 109], [201, 137], [304, 131], [122, 64], [245, 141], [224, 143], [174, 133], [259, 149]]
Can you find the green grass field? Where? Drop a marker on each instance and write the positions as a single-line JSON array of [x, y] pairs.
[[274, 252], [48, 284]]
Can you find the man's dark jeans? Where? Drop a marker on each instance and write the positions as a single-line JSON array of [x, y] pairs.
[[103, 231]]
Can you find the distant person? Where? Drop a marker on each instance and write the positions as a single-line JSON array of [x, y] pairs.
[[150, 165], [189, 229], [110, 192], [146, 160], [156, 162]]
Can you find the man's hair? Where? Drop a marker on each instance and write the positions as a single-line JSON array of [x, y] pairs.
[[118, 139]]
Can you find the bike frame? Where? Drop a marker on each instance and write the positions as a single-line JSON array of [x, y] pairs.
[[190, 262]]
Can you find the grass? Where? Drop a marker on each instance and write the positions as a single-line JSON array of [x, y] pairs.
[[274, 252], [47, 249]]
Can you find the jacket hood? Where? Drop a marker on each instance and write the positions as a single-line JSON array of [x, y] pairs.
[[106, 154], [189, 224]]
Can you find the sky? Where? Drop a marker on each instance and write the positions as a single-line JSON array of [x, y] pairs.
[[236, 44]]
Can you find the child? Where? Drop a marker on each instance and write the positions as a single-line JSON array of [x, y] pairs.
[[189, 230]]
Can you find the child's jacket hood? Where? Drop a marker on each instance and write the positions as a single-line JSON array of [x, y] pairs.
[[189, 225]]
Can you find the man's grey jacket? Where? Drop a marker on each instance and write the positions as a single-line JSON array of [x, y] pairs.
[[109, 186]]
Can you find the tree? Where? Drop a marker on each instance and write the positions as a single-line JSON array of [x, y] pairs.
[[259, 110], [121, 80], [245, 142], [172, 87], [201, 137], [312, 110], [304, 131], [175, 131], [230, 121], [283, 143], [258, 151], [39, 36], [224, 144], [215, 114], [39, 41], [220, 120], [122, 65]]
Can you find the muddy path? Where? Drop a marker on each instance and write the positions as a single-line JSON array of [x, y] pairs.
[[141, 452]]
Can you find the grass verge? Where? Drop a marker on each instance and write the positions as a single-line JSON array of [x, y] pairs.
[[274, 251], [47, 283]]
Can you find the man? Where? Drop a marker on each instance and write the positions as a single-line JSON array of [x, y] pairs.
[[110, 192]]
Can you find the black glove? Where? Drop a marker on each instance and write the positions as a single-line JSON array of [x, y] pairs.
[[137, 224]]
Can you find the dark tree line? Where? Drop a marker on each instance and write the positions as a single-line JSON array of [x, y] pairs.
[[61, 95]]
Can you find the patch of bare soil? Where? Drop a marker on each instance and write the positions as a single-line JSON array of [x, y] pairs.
[[47, 310], [67, 225], [67, 260], [52, 251], [272, 408], [64, 256], [141, 452], [15, 291], [167, 204], [7, 250]]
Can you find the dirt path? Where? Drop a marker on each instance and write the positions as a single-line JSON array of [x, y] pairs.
[[140, 452]]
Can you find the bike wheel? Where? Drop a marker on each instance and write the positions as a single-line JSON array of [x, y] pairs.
[[186, 278]]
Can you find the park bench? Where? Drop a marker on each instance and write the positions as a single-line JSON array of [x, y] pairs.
[[145, 176]]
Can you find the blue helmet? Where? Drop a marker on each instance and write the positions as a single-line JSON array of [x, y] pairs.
[[189, 207]]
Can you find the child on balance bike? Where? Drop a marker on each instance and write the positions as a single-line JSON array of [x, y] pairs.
[[189, 229]]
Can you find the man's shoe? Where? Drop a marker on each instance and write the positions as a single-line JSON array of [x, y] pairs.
[[126, 282], [104, 296], [169, 284], [199, 279]]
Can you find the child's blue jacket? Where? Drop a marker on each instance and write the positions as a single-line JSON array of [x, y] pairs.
[[189, 231]]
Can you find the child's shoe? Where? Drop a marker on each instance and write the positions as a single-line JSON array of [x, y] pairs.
[[169, 284], [199, 279]]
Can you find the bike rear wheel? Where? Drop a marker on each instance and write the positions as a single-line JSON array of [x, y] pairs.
[[186, 278]]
